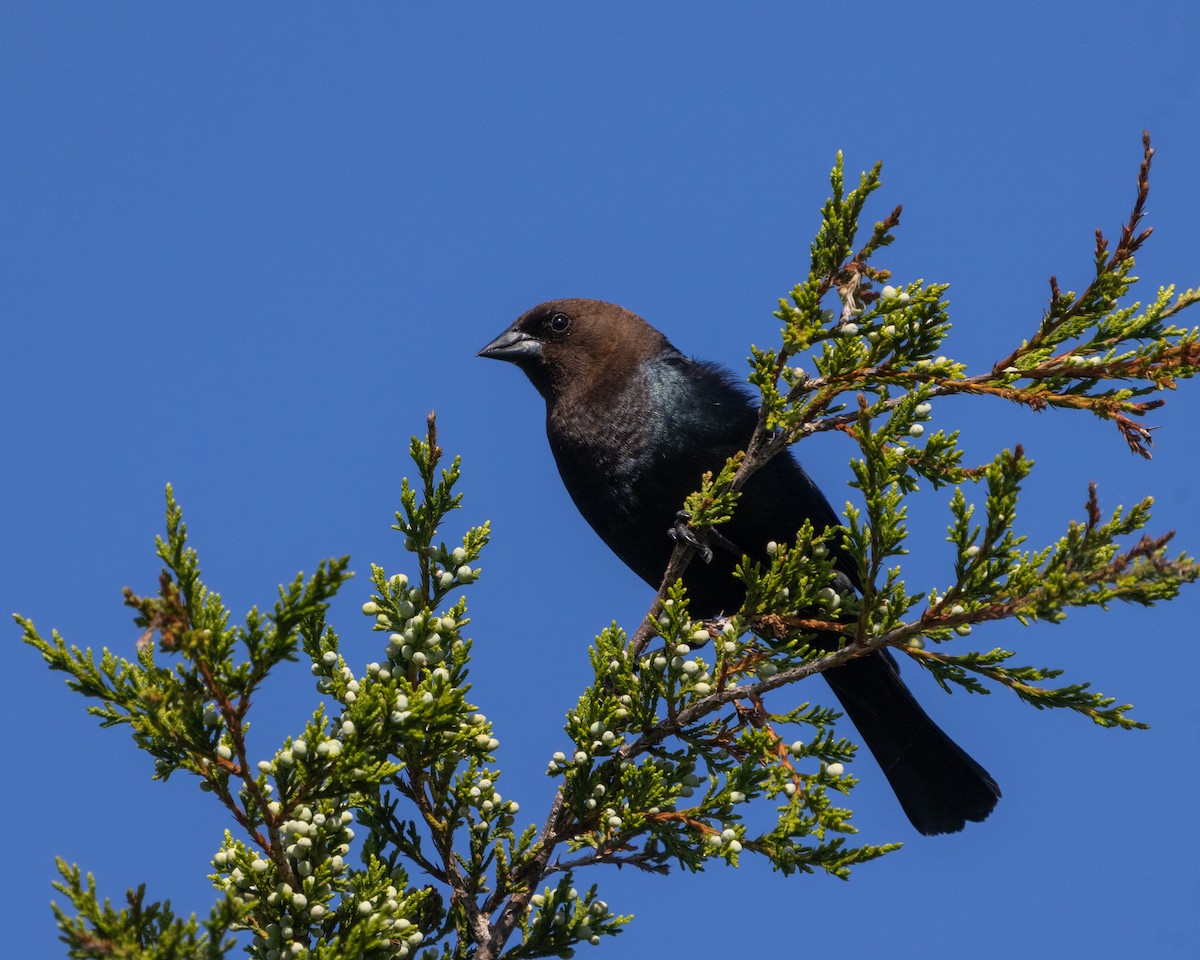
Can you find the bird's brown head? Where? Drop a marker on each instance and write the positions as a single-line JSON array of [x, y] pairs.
[[570, 345]]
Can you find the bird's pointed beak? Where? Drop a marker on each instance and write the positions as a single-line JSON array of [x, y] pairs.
[[514, 346]]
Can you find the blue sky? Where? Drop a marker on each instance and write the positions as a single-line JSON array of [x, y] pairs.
[[247, 248]]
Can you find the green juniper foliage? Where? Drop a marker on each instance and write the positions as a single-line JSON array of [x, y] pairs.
[[378, 830]]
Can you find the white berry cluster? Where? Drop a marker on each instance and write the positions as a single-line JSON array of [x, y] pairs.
[[484, 797], [896, 321], [423, 640], [693, 669], [328, 746], [379, 914], [922, 410], [398, 605], [455, 568], [483, 736], [309, 837], [727, 643], [598, 739], [319, 836], [560, 761], [893, 293], [560, 911], [800, 749], [611, 820], [336, 677], [296, 750], [829, 599], [939, 364], [692, 672], [963, 629], [727, 841], [606, 740], [316, 843]]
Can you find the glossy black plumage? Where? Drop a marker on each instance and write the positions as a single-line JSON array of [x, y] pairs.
[[633, 424]]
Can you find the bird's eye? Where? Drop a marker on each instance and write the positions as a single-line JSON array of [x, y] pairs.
[[560, 323]]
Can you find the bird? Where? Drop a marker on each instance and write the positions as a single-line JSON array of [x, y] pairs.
[[633, 424]]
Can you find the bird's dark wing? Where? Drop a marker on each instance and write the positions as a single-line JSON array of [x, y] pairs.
[[939, 786], [777, 500]]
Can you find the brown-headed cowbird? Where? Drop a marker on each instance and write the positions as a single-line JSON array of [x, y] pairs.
[[633, 423]]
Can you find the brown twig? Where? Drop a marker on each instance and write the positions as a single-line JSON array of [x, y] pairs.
[[1129, 243]]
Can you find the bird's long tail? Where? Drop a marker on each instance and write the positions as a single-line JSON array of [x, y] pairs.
[[939, 786]]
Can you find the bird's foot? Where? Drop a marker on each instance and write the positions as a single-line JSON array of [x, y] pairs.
[[713, 538], [681, 531]]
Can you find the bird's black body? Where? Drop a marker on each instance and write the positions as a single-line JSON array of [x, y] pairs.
[[633, 425]]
